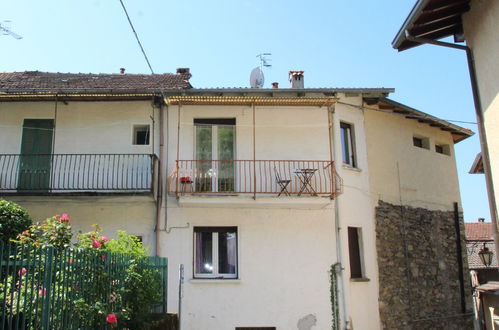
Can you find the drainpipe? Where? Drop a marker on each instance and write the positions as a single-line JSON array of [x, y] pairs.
[[339, 255], [159, 197], [481, 128]]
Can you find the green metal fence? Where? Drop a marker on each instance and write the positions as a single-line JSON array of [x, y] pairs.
[[50, 288]]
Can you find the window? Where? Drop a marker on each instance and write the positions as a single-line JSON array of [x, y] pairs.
[[354, 249], [348, 144], [215, 152], [215, 252], [418, 142], [141, 134], [442, 149], [421, 142]]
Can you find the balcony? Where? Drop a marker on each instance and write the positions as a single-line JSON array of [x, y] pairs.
[[80, 173], [255, 177]]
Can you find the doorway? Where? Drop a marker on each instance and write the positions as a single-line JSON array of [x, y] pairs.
[[35, 161], [214, 154]]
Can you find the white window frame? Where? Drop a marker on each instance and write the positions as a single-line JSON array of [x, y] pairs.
[[135, 128], [349, 145], [214, 252]]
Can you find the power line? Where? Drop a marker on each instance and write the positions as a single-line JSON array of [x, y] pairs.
[[136, 36], [412, 115]]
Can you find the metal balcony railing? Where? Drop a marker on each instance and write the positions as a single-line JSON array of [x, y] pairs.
[[252, 177], [78, 172]]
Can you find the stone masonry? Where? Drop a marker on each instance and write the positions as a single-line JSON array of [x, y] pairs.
[[418, 269]]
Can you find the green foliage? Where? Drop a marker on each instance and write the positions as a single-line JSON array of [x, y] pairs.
[[13, 220], [100, 283], [128, 244], [55, 231]]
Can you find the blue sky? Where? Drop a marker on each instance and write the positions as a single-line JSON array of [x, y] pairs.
[[337, 43]]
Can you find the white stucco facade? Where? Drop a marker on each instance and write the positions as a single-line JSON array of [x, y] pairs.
[[481, 24], [81, 127], [286, 245]]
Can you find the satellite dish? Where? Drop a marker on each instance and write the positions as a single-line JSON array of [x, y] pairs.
[[256, 78]]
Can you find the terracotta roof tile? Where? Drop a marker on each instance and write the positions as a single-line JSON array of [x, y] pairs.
[[479, 231], [474, 261], [36, 81]]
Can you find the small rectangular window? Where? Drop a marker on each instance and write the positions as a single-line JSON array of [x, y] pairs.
[[418, 142], [141, 134], [442, 149], [421, 142], [215, 252], [348, 144], [354, 249]]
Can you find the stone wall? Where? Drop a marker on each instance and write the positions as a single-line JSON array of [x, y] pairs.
[[419, 284]]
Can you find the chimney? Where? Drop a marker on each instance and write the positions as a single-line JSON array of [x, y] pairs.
[[275, 85], [183, 70], [296, 79], [122, 70], [481, 219]]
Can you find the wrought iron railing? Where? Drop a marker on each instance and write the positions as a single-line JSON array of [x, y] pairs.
[[77, 172], [278, 177]]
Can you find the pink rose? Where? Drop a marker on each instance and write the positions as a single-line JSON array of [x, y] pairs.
[[64, 217], [22, 272], [111, 318], [96, 244], [104, 238], [42, 292], [70, 260]]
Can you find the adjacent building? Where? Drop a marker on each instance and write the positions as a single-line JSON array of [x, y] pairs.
[[283, 208]]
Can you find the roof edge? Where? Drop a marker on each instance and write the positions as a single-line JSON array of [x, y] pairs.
[[463, 133], [415, 11]]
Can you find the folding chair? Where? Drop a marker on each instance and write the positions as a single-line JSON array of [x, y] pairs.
[[283, 183]]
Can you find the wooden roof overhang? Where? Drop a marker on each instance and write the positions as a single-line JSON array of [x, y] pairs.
[[458, 133], [251, 100], [432, 19]]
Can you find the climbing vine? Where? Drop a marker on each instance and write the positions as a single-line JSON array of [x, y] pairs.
[[334, 296]]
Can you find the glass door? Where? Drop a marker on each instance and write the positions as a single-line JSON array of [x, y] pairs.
[[214, 154]]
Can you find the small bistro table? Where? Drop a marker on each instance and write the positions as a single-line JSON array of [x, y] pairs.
[[305, 175]]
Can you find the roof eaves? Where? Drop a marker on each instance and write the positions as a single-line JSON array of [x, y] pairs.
[[455, 129], [409, 21]]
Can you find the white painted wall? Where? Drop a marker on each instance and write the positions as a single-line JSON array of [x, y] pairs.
[[87, 127], [481, 24]]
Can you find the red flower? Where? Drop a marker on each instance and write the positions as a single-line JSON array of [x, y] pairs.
[[104, 239], [96, 244], [70, 260], [111, 318], [64, 217], [185, 179], [21, 272], [42, 292]]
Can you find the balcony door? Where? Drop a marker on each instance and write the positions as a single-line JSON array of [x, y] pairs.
[[214, 154], [36, 155]]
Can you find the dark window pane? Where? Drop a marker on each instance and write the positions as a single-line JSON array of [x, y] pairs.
[[141, 135], [227, 252], [439, 149], [417, 142], [354, 253], [204, 258]]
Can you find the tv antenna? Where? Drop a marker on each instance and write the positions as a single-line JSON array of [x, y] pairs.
[[257, 78], [7, 31], [264, 60]]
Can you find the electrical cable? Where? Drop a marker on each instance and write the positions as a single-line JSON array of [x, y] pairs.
[[412, 116], [136, 36]]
